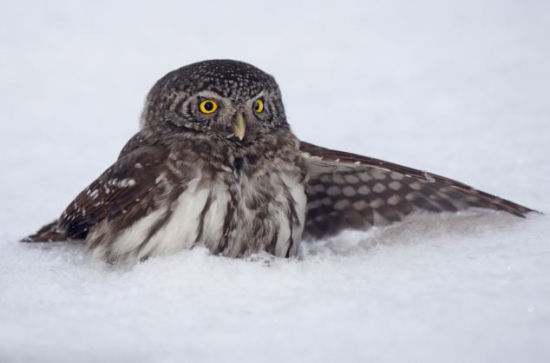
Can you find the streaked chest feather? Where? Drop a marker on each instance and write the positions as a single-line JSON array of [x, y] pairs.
[[233, 215]]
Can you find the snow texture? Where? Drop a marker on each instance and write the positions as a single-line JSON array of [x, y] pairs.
[[460, 88]]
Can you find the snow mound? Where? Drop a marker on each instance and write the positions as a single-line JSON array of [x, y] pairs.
[[459, 88]]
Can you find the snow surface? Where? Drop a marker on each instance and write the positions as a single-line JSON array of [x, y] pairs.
[[460, 88]]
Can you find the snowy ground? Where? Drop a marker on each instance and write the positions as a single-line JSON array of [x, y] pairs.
[[460, 88]]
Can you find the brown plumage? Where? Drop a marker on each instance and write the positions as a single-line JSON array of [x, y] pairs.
[[215, 164], [349, 191]]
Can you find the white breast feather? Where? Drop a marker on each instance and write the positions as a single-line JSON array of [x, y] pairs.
[[129, 240], [298, 193], [296, 189], [182, 228], [180, 232], [215, 217]]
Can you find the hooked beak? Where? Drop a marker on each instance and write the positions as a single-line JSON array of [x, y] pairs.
[[239, 126]]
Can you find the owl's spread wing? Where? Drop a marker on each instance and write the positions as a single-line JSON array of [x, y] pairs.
[[349, 191], [126, 191]]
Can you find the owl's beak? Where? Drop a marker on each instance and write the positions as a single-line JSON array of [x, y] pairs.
[[239, 125]]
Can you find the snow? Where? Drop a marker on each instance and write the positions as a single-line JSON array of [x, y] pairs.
[[459, 88]]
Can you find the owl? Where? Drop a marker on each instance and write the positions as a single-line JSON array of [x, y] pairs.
[[215, 164]]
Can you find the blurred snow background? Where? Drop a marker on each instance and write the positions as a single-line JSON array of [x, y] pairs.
[[460, 88]]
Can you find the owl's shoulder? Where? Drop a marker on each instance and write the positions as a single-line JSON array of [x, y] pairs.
[[143, 138]]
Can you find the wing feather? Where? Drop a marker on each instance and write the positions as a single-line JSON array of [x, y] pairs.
[[349, 191], [126, 191]]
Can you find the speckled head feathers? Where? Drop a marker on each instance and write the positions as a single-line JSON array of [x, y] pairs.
[[233, 84]]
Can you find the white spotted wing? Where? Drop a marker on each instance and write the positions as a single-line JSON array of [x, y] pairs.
[[349, 191]]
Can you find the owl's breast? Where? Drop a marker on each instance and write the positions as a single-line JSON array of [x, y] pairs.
[[237, 214], [268, 212], [233, 212]]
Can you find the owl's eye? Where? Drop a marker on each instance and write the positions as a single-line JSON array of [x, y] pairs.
[[258, 105], [208, 106]]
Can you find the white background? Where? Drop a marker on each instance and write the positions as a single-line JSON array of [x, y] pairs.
[[460, 88]]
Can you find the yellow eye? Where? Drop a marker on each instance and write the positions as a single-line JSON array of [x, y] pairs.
[[208, 106], [258, 105]]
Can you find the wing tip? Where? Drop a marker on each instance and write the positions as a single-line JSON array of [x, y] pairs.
[[515, 209], [531, 211], [49, 233]]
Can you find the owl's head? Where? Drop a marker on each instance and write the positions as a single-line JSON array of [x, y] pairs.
[[226, 98]]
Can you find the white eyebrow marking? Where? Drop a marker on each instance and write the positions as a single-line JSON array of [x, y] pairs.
[[208, 94]]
